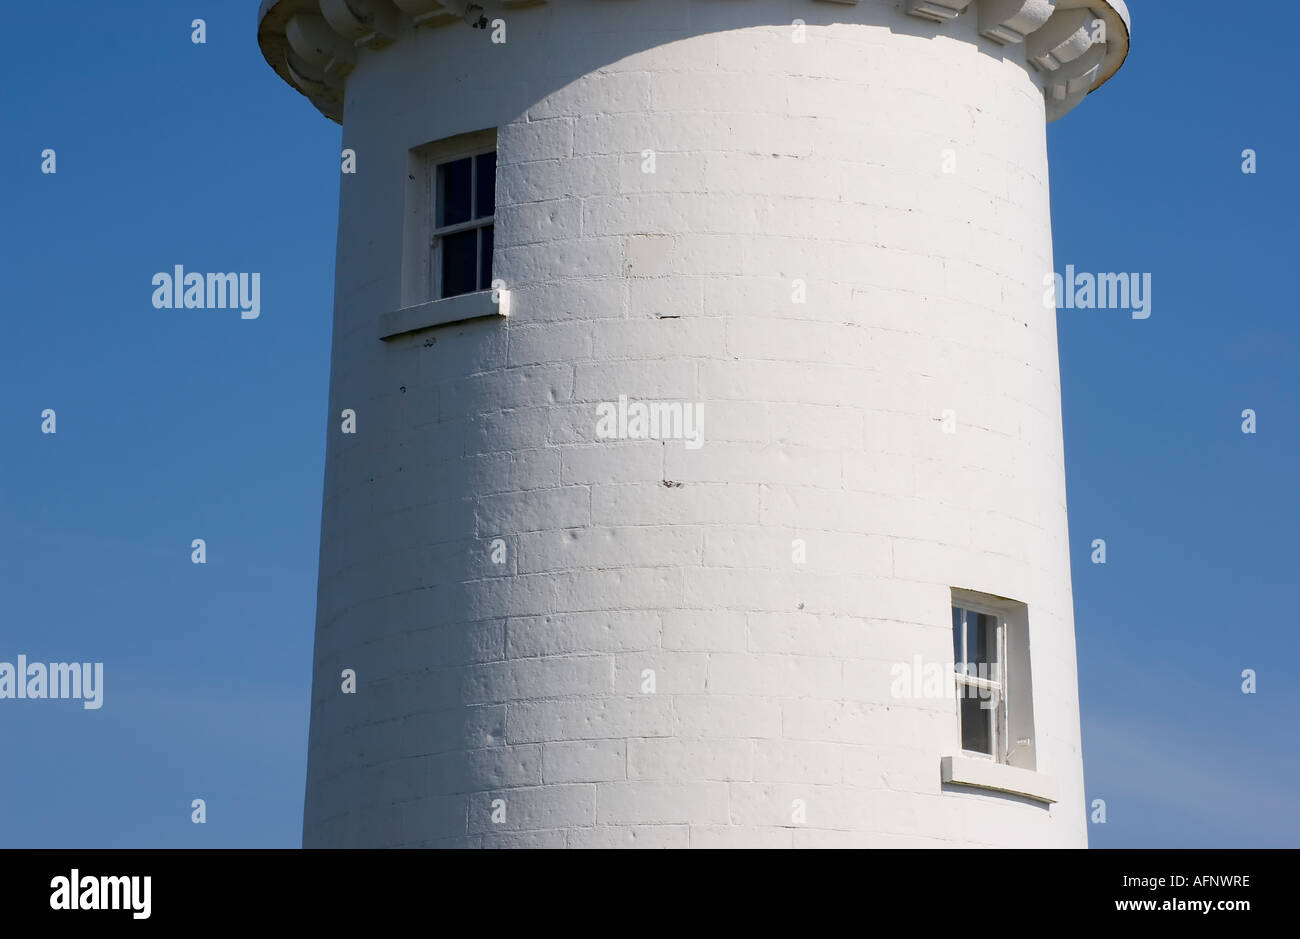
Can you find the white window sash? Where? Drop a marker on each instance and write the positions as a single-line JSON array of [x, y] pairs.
[[473, 224], [998, 718]]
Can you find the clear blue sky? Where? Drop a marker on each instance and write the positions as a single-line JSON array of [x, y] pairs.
[[175, 425]]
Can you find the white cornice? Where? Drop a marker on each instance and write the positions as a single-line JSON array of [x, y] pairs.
[[312, 44]]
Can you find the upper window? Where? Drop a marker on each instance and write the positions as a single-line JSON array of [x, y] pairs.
[[450, 211], [990, 648], [465, 203]]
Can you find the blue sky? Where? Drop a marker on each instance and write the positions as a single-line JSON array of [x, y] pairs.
[[174, 425]]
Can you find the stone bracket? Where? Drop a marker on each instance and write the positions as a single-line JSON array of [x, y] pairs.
[[369, 23], [429, 12], [1007, 21], [1066, 36], [937, 10]]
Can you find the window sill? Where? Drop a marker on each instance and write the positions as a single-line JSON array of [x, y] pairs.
[[985, 774], [466, 306]]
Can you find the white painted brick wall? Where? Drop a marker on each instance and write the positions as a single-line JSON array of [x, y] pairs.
[[521, 681]]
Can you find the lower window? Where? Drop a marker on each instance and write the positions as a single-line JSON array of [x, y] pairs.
[[977, 638], [990, 646]]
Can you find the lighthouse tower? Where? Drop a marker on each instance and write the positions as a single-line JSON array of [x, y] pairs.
[[694, 471]]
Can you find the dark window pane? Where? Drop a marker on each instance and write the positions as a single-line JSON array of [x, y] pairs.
[[978, 629], [485, 196], [485, 266], [458, 263], [956, 638], [454, 192], [976, 733]]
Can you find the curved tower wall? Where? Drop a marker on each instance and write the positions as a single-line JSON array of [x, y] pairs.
[[894, 166]]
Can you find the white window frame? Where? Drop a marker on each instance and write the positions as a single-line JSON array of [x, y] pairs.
[[422, 280], [998, 688], [473, 224]]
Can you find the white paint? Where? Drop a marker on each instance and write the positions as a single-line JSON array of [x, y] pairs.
[[522, 681]]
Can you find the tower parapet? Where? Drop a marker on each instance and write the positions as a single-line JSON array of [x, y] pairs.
[[313, 44]]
